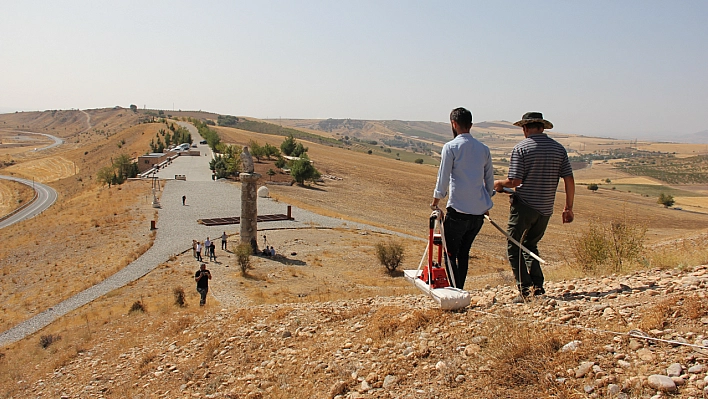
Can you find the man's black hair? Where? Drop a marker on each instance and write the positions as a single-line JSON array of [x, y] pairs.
[[462, 116]]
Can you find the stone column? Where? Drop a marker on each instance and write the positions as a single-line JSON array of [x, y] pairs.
[[249, 201]]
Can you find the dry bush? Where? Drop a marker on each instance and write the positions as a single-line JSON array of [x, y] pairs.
[[694, 307], [144, 365], [521, 355], [389, 321], [656, 316], [180, 297], [46, 340], [616, 244], [243, 254], [138, 306], [390, 254]]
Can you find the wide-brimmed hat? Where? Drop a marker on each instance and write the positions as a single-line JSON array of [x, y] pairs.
[[531, 117]]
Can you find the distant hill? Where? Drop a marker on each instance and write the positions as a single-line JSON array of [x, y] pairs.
[[695, 138]]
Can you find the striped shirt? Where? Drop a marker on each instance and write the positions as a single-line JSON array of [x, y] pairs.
[[539, 161], [466, 172]]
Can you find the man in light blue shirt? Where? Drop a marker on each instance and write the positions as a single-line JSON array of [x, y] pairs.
[[465, 172]]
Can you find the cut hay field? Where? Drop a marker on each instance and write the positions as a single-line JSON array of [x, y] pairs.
[[43, 170]]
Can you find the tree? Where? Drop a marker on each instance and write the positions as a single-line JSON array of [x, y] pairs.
[[419, 160], [288, 145], [280, 162], [299, 150], [271, 151], [369, 152], [302, 170], [105, 175], [592, 187], [133, 107], [257, 151], [270, 174], [666, 199]]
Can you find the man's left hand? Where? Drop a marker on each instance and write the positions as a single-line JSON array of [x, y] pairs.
[[568, 215]]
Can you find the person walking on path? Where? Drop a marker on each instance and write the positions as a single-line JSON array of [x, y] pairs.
[[199, 251], [537, 164], [212, 251], [202, 277], [207, 247], [223, 241], [466, 173], [184, 199]]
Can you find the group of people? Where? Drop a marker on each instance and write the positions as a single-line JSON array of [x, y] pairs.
[[268, 251], [466, 177]]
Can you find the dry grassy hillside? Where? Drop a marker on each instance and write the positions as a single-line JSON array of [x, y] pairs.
[[87, 235], [13, 195]]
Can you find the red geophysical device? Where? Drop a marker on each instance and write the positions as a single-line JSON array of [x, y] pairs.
[[434, 279]]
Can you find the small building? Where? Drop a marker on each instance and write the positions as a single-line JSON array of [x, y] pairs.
[[148, 161]]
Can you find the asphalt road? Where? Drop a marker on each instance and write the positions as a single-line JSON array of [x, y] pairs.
[[45, 198]]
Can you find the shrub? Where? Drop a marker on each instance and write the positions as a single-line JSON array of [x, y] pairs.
[[666, 199], [243, 257], [614, 244], [592, 187], [418, 160], [180, 298], [46, 340], [138, 306], [390, 254]]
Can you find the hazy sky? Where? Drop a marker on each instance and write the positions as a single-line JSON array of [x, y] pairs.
[[617, 68]]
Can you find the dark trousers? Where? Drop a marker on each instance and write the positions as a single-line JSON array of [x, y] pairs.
[[527, 270], [460, 232], [203, 292], [223, 245], [199, 256]]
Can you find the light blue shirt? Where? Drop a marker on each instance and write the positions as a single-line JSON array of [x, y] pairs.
[[466, 171]]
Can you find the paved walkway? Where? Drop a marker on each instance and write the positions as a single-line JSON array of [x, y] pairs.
[[177, 227]]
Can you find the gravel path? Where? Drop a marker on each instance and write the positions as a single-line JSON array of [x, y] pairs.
[[177, 227]]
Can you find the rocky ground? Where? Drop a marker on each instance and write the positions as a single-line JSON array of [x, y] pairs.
[[559, 345]]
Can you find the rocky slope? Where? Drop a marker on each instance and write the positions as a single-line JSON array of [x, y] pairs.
[[559, 345]]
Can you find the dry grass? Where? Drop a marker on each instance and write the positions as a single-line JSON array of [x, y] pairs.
[[13, 195], [389, 321]]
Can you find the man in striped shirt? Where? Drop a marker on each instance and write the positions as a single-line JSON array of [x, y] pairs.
[[465, 172], [537, 163]]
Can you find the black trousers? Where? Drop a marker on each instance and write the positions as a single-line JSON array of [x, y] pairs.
[[460, 231]]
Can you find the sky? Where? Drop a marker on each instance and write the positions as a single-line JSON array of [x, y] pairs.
[[631, 68]]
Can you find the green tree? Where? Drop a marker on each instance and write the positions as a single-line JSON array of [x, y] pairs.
[[280, 162], [302, 170], [105, 175], [133, 107], [299, 150], [666, 199], [419, 160], [270, 174], [593, 187], [288, 145], [271, 151], [257, 151]]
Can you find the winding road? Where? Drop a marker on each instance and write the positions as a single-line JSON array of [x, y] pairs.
[[45, 198]]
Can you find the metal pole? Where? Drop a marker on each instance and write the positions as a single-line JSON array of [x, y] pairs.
[[512, 239]]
